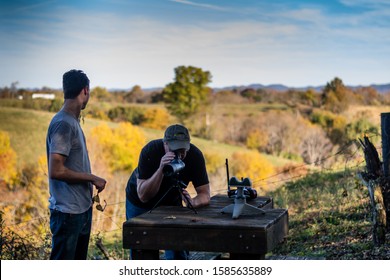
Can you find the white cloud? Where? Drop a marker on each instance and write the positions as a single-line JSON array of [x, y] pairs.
[[366, 3], [202, 5]]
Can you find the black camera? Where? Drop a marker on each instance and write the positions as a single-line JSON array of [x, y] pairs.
[[174, 167]]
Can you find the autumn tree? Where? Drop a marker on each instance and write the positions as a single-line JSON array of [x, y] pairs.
[[188, 92], [135, 95], [316, 147], [257, 139], [100, 94], [333, 124], [214, 161], [120, 146], [251, 164], [369, 96], [309, 97], [7, 159], [157, 118], [335, 96]]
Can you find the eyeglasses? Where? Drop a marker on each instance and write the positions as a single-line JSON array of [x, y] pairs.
[[96, 199]]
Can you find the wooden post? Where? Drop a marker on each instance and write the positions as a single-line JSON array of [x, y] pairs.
[[373, 179], [378, 213], [385, 184], [385, 129]]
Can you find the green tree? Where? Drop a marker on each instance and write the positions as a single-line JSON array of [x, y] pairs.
[[134, 115], [185, 96], [250, 94]]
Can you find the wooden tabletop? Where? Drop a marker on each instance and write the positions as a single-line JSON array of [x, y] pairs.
[[179, 228]]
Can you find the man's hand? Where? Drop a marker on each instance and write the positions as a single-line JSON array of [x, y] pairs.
[[99, 183], [201, 199], [166, 159], [185, 196]]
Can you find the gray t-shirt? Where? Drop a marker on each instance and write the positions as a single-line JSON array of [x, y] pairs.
[[66, 137]]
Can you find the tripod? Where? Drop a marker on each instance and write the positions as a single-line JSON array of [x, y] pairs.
[[180, 186]]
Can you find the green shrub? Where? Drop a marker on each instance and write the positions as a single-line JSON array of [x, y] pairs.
[[133, 115]]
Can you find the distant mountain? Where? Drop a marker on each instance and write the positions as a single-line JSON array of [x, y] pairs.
[[279, 87], [381, 88]]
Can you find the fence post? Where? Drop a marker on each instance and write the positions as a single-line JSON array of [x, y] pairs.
[[385, 130]]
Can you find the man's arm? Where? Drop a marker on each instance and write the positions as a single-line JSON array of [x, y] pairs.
[[202, 197], [58, 171], [148, 188]]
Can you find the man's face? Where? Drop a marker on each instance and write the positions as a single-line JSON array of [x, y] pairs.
[[86, 93], [181, 153]]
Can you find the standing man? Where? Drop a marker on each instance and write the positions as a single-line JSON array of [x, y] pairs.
[[70, 179], [150, 186]]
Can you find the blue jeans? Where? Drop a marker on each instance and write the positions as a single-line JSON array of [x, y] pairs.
[[133, 211], [71, 234]]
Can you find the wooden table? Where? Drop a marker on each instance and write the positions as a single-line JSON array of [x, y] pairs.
[[179, 228]]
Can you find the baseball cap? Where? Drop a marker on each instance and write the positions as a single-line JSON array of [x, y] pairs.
[[177, 137]]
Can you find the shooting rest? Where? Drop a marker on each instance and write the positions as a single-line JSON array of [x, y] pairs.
[[240, 207]]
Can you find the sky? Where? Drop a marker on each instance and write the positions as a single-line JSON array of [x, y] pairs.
[[123, 43]]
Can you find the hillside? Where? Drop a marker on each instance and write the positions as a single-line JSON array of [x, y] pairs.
[[329, 218], [27, 129]]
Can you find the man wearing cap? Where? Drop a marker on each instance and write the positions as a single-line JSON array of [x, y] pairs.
[[147, 185]]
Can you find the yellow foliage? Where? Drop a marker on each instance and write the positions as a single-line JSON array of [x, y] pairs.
[[257, 139], [339, 122], [251, 164], [156, 118], [213, 161], [121, 146], [7, 159], [42, 170], [35, 180], [28, 199]]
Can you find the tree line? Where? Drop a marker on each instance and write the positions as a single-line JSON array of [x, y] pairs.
[[189, 91]]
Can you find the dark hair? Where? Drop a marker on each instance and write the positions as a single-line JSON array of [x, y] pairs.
[[73, 82]]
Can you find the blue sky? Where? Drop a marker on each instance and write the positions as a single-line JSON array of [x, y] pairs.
[[122, 43]]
